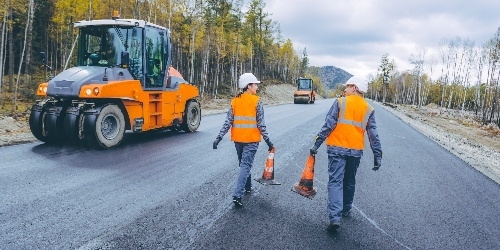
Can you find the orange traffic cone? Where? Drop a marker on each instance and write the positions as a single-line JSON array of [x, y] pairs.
[[268, 175], [305, 186]]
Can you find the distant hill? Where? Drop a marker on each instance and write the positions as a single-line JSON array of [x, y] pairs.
[[330, 76]]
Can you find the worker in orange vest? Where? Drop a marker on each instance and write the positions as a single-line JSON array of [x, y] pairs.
[[246, 120], [349, 117]]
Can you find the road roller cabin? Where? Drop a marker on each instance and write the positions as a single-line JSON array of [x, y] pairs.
[[123, 81]]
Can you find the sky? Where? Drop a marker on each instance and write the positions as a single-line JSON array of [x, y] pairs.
[[354, 35]]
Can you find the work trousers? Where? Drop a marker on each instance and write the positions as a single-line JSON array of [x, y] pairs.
[[246, 154], [341, 184]]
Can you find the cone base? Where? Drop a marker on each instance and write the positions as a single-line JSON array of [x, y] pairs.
[[308, 194], [267, 182]]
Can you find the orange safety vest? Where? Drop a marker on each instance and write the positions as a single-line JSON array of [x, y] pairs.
[[354, 112], [244, 128]]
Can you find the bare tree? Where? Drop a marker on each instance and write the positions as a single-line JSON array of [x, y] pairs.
[[446, 51], [492, 63], [456, 68], [2, 49], [431, 64], [14, 107], [480, 58], [470, 56], [27, 71], [11, 47], [418, 67]]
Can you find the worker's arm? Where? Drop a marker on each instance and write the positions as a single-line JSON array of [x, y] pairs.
[[227, 124], [330, 124], [371, 130], [261, 124]]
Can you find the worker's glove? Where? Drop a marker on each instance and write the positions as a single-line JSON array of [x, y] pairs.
[[313, 150], [216, 142], [376, 164], [269, 144]]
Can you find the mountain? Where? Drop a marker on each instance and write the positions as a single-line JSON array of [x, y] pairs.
[[331, 76]]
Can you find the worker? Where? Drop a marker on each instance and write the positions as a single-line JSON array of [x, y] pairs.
[[349, 117], [107, 51], [245, 117]]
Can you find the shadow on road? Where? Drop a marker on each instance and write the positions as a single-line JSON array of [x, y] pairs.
[[133, 146]]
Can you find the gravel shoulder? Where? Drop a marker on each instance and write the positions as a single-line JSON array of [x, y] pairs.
[[456, 131]]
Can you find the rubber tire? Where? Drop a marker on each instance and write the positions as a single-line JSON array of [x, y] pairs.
[[72, 127], [192, 117], [300, 101], [36, 123], [109, 114], [54, 124]]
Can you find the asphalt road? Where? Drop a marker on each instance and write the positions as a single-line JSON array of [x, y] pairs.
[[168, 190]]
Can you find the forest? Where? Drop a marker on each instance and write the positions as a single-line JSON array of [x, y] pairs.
[[466, 78], [213, 42]]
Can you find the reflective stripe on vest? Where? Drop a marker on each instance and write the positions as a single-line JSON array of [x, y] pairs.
[[349, 132], [244, 127], [245, 118], [362, 124]]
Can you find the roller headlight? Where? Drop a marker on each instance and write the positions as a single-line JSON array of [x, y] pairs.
[[96, 91], [44, 89], [88, 91]]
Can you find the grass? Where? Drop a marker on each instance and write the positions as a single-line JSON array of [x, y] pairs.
[[19, 111]]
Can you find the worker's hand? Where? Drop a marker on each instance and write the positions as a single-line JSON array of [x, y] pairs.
[[376, 164], [313, 150], [216, 142], [269, 144]]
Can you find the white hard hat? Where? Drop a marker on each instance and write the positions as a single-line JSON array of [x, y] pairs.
[[361, 84], [246, 79]]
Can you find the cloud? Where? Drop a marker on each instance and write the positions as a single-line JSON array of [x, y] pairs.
[[353, 35]]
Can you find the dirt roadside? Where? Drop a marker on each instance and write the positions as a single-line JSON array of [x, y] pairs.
[[457, 132]]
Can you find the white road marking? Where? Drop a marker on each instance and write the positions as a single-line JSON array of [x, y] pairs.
[[368, 218]]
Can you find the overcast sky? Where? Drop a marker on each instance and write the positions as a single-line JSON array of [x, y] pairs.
[[353, 35]]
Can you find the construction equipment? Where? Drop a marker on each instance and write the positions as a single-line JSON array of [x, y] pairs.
[[268, 174], [123, 81], [305, 92], [305, 186]]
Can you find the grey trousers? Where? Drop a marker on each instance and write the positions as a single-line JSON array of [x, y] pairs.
[[246, 154], [341, 184]]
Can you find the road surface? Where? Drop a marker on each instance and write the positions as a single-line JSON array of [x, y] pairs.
[[167, 190]]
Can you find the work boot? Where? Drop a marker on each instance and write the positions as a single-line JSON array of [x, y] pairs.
[[333, 226], [248, 190], [346, 214], [237, 201]]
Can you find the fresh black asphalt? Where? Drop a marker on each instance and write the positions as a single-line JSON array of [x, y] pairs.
[[166, 190]]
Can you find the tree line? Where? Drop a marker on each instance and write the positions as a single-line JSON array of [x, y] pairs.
[[468, 78], [213, 41]]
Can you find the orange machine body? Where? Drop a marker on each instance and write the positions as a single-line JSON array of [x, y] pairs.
[[122, 80]]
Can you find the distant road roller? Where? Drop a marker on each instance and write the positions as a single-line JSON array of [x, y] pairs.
[[305, 92], [122, 81]]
